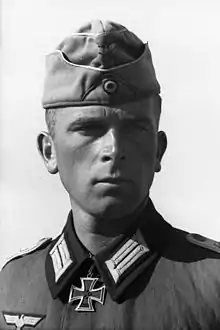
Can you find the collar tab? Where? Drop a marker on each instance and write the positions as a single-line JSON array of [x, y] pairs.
[[124, 263], [66, 258]]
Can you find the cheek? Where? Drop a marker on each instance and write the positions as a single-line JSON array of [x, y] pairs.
[[143, 158], [73, 162], [142, 150]]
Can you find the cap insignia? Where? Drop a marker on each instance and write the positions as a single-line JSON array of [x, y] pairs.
[[110, 86]]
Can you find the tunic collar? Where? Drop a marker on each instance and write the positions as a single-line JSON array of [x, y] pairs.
[[118, 264]]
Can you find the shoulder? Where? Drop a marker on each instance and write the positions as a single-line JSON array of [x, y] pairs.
[[204, 242], [190, 271], [189, 247], [193, 256], [23, 275], [41, 244], [31, 259], [194, 259]]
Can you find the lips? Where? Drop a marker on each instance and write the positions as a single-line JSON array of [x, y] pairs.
[[112, 180]]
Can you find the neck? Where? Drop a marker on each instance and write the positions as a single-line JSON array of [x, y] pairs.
[[96, 233]]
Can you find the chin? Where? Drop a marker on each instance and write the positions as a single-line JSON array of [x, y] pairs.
[[112, 208]]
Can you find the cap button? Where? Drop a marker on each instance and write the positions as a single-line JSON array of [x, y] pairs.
[[110, 86]]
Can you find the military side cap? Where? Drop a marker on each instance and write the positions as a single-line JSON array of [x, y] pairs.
[[103, 63]]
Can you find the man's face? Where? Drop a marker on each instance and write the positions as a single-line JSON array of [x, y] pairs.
[[106, 156]]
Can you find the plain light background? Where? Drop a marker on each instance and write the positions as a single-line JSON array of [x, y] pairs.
[[185, 44]]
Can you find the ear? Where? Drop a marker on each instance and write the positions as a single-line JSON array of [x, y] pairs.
[[46, 149], [161, 148]]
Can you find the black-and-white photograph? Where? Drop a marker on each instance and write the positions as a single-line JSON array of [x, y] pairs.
[[109, 126]]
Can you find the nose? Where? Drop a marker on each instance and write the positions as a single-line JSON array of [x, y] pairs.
[[112, 149]]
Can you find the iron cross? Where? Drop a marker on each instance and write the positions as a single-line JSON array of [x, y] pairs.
[[86, 294]]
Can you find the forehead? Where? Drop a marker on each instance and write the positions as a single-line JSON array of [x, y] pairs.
[[135, 110]]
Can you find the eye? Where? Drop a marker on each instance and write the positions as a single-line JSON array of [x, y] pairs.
[[89, 128], [137, 126], [92, 128]]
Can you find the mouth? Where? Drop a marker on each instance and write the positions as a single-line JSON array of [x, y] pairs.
[[113, 180]]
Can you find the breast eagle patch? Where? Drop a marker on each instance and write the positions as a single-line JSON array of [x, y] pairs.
[[20, 320]]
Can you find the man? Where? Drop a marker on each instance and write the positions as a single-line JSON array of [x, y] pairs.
[[117, 264]]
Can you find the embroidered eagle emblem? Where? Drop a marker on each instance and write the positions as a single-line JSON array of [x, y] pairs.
[[22, 320]]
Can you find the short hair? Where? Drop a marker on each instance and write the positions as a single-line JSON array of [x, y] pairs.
[[50, 118], [50, 115]]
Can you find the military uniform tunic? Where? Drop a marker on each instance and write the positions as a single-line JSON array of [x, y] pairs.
[[154, 278]]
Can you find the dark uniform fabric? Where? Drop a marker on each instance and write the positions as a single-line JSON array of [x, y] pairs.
[[175, 286]]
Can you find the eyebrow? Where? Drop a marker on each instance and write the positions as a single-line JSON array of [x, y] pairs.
[[87, 120], [83, 121]]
